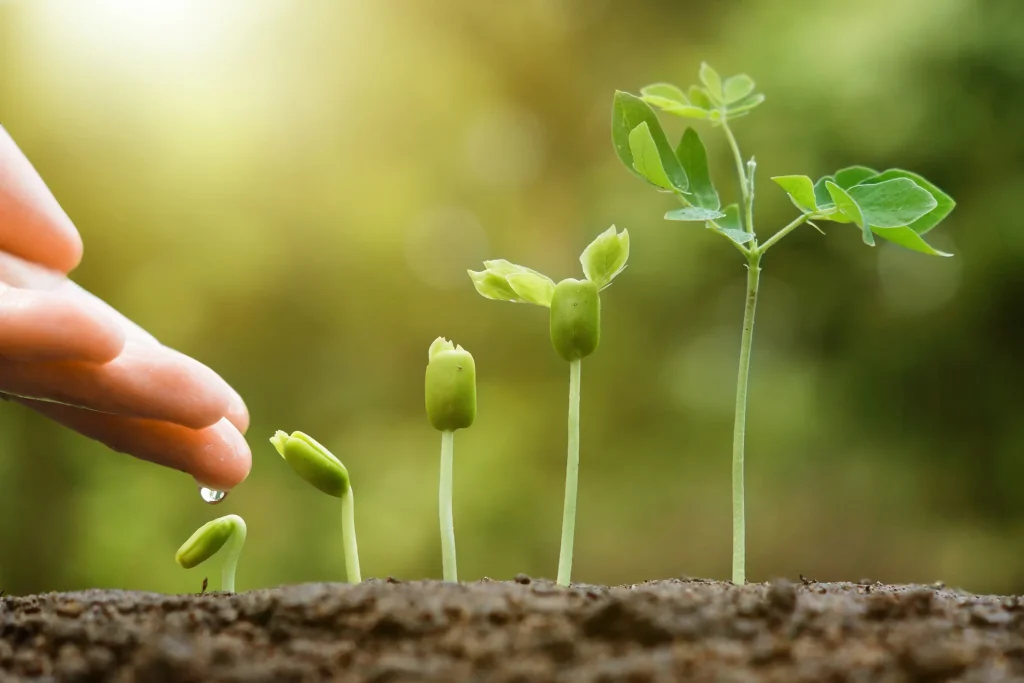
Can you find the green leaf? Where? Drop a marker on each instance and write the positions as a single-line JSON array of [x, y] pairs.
[[906, 237], [687, 111], [821, 195], [694, 159], [712, 81], [532, 288], [800, 190], [663, 91], [943, 202], [630, 111], [892, 203], [491, 285], [699, 97], [737, 87], [645, 157], [605, 257], [848, 208], [744, 106], [693, 213], [730, 219], [853, 175]]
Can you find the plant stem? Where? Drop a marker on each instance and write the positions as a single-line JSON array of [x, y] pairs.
[[746, 190], [739, 545], [572, 473], [797, 222], [445, 505], [232, 551], [348, 528]]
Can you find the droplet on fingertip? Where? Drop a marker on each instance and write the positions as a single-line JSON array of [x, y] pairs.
[[212, 496]]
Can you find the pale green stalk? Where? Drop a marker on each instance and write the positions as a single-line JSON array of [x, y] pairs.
[[739, 523], [348, 530], [746, 189], [572, 473], [232, 551], [445, 505]]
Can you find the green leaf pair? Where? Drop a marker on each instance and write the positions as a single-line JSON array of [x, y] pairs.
[[208, 540], [602, 261], [897, 205]]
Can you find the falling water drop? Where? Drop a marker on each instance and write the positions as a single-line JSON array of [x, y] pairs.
[[212, 496]]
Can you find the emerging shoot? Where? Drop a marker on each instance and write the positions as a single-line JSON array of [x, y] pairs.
[[897, 206], [450, 388], [208, 540], [322, 469], [575, 327]]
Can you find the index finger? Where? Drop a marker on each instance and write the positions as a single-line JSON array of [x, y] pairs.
[[32, 224]]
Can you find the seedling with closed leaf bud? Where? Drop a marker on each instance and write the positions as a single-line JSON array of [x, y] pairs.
[[450, 388], [227, 531], [895, 205], [575, 327], [319, 467]]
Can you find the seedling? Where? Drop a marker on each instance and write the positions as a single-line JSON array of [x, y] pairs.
[[323, 470], [895, 205], [575, 324], [208, 540], [450, 388]]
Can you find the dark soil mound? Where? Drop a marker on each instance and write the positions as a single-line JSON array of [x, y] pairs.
[[524, 631]]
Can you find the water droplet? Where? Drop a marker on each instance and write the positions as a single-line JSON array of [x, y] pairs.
[[212, 496]]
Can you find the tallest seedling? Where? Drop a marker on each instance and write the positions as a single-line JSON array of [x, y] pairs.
[[575, 322], [895, 205]]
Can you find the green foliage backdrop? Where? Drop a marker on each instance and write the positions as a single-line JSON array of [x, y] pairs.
[[292, 192]]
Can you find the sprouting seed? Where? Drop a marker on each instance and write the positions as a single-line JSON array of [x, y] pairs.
[[575, 328], [227, 531], [450, 388], [319, 467]]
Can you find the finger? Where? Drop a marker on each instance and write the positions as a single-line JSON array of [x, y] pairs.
[[144, 381], [217, 456], [32, 224], [41, 325]]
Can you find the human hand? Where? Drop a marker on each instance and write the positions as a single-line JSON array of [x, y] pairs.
[[73, 358]]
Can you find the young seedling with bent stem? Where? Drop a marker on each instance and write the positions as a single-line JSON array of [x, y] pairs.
[[575, 326], [210, 538], [896, 205], [323, 470], [450, 388]]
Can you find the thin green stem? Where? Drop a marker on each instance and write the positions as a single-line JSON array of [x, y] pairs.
[[746, 191], [232, 551], [783, 232], [572, 473], [348, 528], [739, 549], [445, 506]]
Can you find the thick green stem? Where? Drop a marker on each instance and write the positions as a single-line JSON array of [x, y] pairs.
[[445, 506], [739, 544], [572, 474], [232, 551], [348, 528]]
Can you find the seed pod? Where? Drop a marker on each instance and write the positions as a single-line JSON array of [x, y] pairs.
[[450, 386], [575, 319], [312, 462]]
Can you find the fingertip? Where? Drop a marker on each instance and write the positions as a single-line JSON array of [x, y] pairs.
[[238, 413], [227, 459]]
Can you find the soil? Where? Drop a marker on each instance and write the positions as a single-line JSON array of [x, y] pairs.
[[523, 631]]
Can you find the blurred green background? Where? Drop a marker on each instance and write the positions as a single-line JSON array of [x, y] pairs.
[[292, 192]]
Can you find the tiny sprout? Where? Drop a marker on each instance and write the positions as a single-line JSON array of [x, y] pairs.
[[208, 540], [575, 327], [450, 389], [323, 470]]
